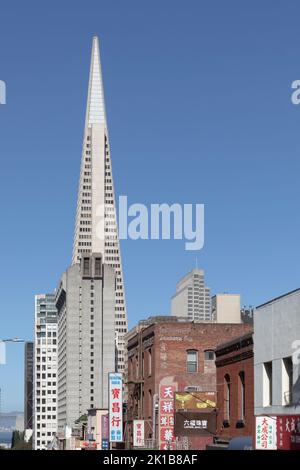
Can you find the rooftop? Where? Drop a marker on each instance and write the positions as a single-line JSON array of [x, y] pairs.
[[275, 299]]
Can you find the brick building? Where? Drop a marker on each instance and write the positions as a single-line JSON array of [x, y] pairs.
[[235, 388], [172, 352]]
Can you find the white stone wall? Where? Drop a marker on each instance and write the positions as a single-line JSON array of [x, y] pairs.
[[276, 329]]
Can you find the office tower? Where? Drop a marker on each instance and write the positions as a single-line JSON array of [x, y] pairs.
[[45, 371], [226, 308], [28, 385], [192, 298], [96, 225], [85, 300]]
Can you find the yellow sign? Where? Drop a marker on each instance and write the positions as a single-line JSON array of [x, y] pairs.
[[195, 400]]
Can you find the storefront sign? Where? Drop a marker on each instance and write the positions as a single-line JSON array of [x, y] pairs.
[[288, 432], [115, 407], [266, 433], [195, 400], [195, 423], [138, 432], [166, 417], [105, 444], [104, 427]]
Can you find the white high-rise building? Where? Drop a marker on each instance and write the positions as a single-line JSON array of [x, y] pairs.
[[45, 371], [85, 301], [192, 298], [96, 225]]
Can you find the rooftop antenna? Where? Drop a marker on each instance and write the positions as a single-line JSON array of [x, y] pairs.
[[196, 262]]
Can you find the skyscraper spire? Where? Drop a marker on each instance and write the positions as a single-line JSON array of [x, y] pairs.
[[95, 109], [96, 224]]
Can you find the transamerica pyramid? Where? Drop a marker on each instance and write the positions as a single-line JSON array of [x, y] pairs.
[[96, 225]]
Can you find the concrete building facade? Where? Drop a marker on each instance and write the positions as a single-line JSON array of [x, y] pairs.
[[226, 308], [85, 301], [277, 356], [176, 352], [45, 371], [192, 298]]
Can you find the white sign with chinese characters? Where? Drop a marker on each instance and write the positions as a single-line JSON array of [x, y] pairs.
[[195, 424], [138, 432], [266, 433], [166, 417], [115, 407]]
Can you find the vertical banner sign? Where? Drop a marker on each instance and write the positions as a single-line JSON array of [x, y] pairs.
[[138, 432], [166, 417], [115, 407], [104, 432], [266, 433], [288, 432], [104, 426]]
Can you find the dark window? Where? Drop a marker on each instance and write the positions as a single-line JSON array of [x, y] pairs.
[[86, 266], [242, 409], [98, 267], [209, 355]]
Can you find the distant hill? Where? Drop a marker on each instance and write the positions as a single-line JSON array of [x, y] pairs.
[[13, 420]]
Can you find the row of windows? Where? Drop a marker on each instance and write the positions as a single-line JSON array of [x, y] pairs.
[[192, 359], [48, 417]]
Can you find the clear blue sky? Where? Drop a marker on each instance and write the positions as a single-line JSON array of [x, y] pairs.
[[199, 110]]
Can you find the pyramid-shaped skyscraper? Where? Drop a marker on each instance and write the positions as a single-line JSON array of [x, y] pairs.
[[96, 224]]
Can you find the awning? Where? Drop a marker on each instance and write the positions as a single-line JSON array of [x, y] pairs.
[[241, 443]]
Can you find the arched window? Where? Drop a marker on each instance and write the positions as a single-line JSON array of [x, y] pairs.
[[149, 362], [227, 398], [192, 360], [242, 402]]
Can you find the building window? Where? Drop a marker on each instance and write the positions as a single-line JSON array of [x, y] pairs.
[[267, 384], [150, 404], [136, 367], [287, 381], [131, 367], [192, 360], [98, 267], [149, 362], [209, 355], [242, 404], [86, 266], [227, 398]]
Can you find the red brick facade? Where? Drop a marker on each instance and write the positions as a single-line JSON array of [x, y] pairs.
[[157, 354], [235, 388]]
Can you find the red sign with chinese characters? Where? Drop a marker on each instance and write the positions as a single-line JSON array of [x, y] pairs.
[[288, 432], [138, 432], [115, 407], [166, 417]]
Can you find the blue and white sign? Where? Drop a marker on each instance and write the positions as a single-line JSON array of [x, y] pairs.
[[115, 407]]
